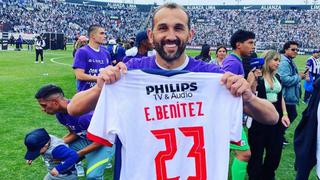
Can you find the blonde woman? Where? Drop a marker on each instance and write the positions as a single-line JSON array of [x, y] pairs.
[[267, 138]]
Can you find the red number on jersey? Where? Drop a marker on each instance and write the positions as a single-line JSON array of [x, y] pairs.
[[197, 152], [169, 137]]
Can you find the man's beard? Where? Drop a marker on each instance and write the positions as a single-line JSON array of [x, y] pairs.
[[170, 57]]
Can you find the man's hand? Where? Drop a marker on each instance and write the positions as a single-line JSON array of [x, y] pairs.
[[253, 79], [54, 172], [237, 85], [302, 75], [110, 74]]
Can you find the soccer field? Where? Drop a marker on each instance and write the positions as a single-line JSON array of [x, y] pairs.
[[20, 78]]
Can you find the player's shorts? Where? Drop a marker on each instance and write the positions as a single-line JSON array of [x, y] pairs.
[[242, 145]]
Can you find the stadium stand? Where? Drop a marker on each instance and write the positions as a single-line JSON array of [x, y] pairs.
[[214, 25]]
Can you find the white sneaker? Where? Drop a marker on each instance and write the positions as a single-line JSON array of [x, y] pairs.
[[109, 166], [36, 62], [80, 169], [42, 62]]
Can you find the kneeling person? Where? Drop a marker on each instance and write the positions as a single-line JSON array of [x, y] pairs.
[[61, 159], [52, 101]]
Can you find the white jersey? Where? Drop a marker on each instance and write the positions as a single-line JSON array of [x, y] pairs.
[[170, 127]]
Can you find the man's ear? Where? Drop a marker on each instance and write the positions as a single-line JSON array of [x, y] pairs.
[[150, 35], [191, 34], [238, 45]]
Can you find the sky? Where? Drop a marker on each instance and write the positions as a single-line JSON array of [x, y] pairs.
[[221, 2]]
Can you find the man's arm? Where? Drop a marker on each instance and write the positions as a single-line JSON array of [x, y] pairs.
[[286, 78], [80, 75], [259, 109], [70, 137], [85, 101], [92, 147]]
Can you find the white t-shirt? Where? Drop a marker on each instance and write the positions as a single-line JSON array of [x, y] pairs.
[[177, 126]]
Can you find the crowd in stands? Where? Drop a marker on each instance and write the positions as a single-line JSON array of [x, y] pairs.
[[212, 26]]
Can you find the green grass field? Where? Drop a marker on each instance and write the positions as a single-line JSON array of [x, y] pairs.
[[20, 78]]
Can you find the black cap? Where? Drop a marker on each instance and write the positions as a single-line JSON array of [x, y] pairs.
[[142, 35], [35, 140]]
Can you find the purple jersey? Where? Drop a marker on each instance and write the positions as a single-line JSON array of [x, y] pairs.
[[90, 61], [127, 58], [193, 65], [233, 64], [77, 124]]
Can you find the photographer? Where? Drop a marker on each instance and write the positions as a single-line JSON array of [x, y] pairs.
[[39, 45]]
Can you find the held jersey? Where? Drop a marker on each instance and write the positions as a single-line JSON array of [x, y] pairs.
[[170, 127]]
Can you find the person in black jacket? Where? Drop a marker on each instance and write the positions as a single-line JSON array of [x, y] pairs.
[[262, 137], [306, 139], [205, 54]]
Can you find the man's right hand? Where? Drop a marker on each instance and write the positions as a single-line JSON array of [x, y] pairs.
[[110, 74], [302, 75]]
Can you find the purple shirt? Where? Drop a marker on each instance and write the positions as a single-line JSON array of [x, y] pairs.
[[127, 58], [77, 124], [233, 64], [90, 61], [193, 65]]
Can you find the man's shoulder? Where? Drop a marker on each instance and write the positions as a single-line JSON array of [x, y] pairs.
[[140, 62], [201, 66]]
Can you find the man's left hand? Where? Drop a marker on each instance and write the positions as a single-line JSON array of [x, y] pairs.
[[237, 85]]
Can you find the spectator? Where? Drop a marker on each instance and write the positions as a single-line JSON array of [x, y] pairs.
[[39, 45], [141, 47], [90, 58], [267, 138], [205, 54], [221, 53], [290, 78], [60, 158], [313, 73]]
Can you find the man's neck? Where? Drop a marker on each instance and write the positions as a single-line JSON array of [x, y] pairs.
[[237, 52], [171, 65], [63, 105], [94, 45], [288, 56]]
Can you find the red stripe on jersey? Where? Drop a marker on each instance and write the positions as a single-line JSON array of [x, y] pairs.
[[238, 143], [98, 140]]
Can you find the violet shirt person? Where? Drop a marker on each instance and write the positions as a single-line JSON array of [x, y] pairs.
[[77, 124], [90, 61], [233, 63], [191, 65]]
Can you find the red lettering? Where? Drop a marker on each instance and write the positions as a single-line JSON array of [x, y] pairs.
[[159, 112], [146, 113], [173, 111], [184, 109], [165, 112], [191, 109], [200, 113]]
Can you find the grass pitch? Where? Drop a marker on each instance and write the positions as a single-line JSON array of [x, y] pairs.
[[20, 78]]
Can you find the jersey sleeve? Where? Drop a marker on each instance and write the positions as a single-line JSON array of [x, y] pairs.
[[68, 157], [100, 128], [231, 66], [79, 59]]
